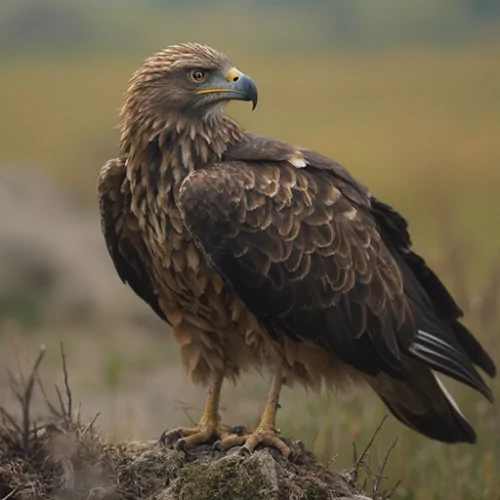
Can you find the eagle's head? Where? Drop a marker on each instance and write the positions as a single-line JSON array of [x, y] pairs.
[[189, 81]]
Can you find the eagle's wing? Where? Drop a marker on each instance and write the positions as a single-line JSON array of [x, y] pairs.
[[295, 236], [303, 259], [124, 245]]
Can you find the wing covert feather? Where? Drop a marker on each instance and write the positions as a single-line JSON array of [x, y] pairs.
[[303, 258]]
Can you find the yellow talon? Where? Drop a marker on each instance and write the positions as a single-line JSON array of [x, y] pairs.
[[209, 427], [266, 433], [248, 442], [184, 438]]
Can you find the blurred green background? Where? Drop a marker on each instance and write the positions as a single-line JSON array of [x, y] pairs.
[[406, 94]]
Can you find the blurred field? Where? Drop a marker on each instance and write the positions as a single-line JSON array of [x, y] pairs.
[[420, 126], [396, 114]]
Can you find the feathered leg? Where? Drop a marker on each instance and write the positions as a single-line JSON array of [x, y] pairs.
[[209, 426], [266, 433]]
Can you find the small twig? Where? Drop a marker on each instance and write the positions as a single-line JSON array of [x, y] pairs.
[[61, 404], [18, 363], [89, 425], [66, 385], [79, 414], [389, 495], [363, 486], [24, 393], [185, 407], [359, 461], [50, 406], [7, 416], [370, 443], [14, 385], [10, 494], [189, 417], [378, 476], [25, 400], [325, 466]]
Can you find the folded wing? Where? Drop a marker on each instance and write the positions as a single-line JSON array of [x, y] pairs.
[[123, 244], [304, 259]]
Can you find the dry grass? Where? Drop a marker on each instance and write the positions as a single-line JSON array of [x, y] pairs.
[[419, 127]]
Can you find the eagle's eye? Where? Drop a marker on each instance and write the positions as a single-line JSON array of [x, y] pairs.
[[197, 75]]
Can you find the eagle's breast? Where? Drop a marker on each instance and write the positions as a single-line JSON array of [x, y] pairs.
[[210, 322]]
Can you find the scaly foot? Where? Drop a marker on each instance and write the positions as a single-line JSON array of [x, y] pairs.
[[262, 435], [208, 429], [205, 432]]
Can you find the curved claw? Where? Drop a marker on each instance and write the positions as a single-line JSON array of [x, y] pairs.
[[183, 439], [180, 445], [248, 442], [169, 438], [163, 438]]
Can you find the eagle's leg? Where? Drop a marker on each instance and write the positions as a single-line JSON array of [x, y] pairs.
[[209, 426], [265, 433]]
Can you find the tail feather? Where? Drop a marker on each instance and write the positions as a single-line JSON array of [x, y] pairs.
[[441, 343], [473, 348], [447, 356], [444, 307], [423, 403]]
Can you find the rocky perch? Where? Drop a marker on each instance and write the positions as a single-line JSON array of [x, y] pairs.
[[76, 463], [65, 459]]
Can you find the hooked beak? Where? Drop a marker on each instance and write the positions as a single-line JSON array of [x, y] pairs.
[[238, 87]]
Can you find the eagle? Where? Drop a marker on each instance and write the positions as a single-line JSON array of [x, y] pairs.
[[261, 254]]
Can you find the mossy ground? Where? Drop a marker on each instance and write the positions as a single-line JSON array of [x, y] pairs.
[[72, 461]]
